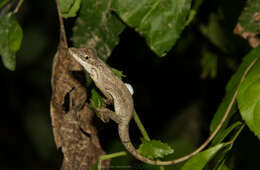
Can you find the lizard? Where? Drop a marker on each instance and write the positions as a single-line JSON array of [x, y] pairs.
[[117, 92]]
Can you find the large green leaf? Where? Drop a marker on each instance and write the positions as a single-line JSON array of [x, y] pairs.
[[198, 161], [250, 17], [97, 28], [249, 99], [159, 21], [10, 40], [231, 88]]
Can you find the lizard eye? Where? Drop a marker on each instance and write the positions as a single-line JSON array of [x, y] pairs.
[[86, 57]]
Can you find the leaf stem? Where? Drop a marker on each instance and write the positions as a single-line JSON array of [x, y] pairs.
[[141, 127], [18, 6], [109, 156]]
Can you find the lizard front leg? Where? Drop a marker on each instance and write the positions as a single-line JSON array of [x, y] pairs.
[[107, 114]]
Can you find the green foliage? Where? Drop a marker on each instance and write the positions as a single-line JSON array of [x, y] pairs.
[[249, 99], [154, 149], [118, 73], [69, 8], [199, 161], [221, 136], [97, 100], [222, 158], [248, 18], [11, 37], [159, 21], [97, 28]]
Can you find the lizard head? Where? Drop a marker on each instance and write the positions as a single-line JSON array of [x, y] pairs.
[[87, 59]]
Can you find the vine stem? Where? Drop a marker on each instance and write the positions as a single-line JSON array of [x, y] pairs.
[[18, 6], [222, 120]]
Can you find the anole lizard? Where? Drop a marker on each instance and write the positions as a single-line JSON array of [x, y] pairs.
[[115, 90]]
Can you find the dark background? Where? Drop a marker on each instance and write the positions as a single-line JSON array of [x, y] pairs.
[[174, 103]]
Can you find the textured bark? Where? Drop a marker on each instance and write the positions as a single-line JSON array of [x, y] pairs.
[[72, 120]]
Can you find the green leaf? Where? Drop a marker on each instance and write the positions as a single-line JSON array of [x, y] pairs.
[[222, 158], [198, 161], [118, 73], [11, 37], [160, 21], [155, 149], [249, 18], [65, 5], [222, 135], [97, 28], [97, 100], [231, 88], [249, 99], [209, 64], [69, 8]]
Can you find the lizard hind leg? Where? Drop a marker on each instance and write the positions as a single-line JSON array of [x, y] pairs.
[[107, 114]]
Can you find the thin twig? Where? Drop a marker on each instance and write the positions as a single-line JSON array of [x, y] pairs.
[[18, 6], [62, 28], [181, 159], [222, 120]]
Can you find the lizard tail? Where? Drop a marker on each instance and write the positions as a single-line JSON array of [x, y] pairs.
[[123, 130]]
